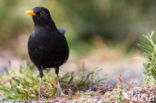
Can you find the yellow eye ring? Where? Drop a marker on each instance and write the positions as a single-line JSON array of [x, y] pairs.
[[42, 13]]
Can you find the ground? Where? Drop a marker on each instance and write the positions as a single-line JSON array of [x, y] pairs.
[[123, 73]]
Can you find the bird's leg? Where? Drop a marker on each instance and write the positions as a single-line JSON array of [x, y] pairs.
[[59, 89], [39, 92]]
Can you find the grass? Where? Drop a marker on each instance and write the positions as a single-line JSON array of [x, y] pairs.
[[23, 84], [149, 48]]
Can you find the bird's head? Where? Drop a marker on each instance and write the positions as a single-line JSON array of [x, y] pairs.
[[40, 15]]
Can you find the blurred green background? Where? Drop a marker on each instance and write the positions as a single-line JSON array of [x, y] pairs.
[[86, 21]]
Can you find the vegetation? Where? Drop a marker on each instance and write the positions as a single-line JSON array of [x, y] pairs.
[[23, 84], [149, 48]]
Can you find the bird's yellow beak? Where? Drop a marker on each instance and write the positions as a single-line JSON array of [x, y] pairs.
[[30, 13]]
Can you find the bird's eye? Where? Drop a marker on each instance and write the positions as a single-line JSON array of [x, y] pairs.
[[42, 13]]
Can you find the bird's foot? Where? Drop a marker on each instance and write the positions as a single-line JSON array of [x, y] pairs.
[[59, 92], [39, 97], [39, 91]]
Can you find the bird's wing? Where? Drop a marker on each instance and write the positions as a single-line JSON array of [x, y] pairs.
[[62, 31]]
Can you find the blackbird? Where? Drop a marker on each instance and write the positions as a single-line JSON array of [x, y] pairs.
[[47, 45]]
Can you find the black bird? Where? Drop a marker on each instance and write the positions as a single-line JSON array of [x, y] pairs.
[[47, 46]]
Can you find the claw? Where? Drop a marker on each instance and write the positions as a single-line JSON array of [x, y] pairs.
[[59, 91]]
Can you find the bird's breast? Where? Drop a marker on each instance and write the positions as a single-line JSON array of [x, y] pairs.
[[47, 48]]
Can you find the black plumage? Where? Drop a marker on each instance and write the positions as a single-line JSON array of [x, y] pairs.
[[47, 47]]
